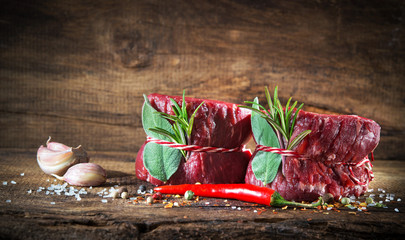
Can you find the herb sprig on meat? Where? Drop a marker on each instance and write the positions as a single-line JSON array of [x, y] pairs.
[[282, 120], [182, 125]]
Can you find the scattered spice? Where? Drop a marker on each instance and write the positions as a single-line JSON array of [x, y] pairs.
[[149, 200], [124, 195], [345, 201], [121, 190], [169, 205], [115, 194], [157, 196]]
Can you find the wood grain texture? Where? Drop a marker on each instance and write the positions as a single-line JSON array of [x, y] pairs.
[[33, 216], [77, 70]]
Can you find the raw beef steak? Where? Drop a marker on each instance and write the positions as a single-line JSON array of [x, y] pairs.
[[335, 158], [216, 124]]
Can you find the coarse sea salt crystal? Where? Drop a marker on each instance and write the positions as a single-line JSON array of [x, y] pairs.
[[29, 191], [255, 211], [396, 210], [104, 200], [22, 174], [13, 182], [5, 183], [239, 208], [53, 203], [207, 203], [398, 200], [233, 207], [8, 201], [370, 190]]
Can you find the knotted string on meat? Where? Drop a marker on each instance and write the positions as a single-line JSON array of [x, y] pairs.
[[216, 124], [335, 158]]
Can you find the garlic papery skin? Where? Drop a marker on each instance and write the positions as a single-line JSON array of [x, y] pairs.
[[56, 158], [84, 175]]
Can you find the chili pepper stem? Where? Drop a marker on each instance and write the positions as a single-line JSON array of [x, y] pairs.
[[277, 201]]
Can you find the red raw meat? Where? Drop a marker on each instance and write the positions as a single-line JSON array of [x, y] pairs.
[[336, 144], [216, 124]]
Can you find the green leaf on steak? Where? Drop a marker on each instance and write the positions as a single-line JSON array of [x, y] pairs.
[[269, 127], [265, 164], [160, 161]]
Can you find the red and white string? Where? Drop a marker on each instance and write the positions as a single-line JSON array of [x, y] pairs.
[[288, 153], [193, 148], [284, 152]]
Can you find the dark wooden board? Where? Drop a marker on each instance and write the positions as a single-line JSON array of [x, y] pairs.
[[32, 216], [77, 70]]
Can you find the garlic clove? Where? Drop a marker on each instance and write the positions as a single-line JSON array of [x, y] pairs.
[[56, 158], [55, 146], [85, 175]]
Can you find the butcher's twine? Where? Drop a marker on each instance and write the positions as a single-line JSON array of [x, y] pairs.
[[288, 153], [196, 148], [284, 152], [192, 148]]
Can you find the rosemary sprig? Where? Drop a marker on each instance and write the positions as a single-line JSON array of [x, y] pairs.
[[280, 119], [182, 125]]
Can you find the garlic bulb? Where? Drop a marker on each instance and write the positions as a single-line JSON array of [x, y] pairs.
[[85, 175], [56, 158]]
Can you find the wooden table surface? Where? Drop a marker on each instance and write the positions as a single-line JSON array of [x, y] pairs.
[[39, 215]]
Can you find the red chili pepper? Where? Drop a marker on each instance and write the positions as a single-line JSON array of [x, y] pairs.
[[243, 192]]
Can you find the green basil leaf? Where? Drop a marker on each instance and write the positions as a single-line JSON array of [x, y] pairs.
[[161, 161], [265, 165], [152, 120]]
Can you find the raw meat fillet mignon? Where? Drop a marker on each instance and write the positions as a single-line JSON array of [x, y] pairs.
[[336, 154], [216, 124]]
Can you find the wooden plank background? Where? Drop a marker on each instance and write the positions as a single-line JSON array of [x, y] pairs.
[[76, 70]]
